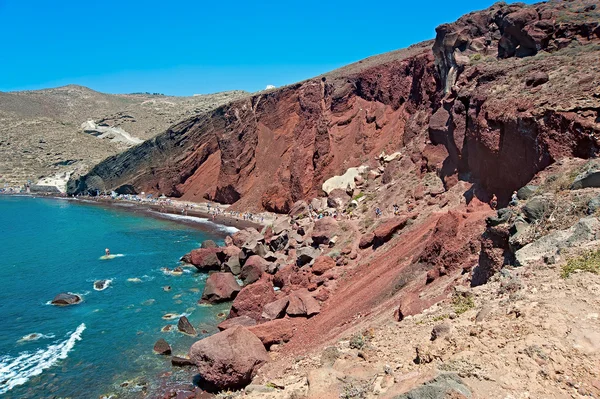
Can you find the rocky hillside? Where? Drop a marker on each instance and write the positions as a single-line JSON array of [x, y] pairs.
[[498, 96], [56, 131]]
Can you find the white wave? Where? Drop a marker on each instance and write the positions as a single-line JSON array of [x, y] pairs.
[[104, 286], [195, 219], [18, 370]]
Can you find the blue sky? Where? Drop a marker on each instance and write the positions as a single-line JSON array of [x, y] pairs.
[[186, 47]]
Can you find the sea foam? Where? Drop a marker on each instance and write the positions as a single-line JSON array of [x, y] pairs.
[[18, 370], [195, 219]]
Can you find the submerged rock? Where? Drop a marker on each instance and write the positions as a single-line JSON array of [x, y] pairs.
[[162, 347], [228, 359], [178, 361], [66, 299], [100, 285], [186, 327]]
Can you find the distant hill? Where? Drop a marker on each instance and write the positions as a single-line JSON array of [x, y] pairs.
[[42, 132]]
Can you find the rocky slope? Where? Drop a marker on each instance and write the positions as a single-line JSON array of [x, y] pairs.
[[56, 131], [498, 96]]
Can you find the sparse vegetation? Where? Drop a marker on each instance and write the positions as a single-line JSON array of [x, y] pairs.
[[358, 341], [462, 303], [589, 262], [354, 390], [475, 58]]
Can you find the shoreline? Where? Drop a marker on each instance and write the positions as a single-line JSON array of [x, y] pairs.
[[193, 210]]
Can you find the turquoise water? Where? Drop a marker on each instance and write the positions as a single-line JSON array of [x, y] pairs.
[[90, 349]]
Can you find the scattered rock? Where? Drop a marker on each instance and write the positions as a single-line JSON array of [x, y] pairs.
[[178, 361], [536, 207], [385, 232], [300, 208], [208, 244], [228, 359], [440, 331], [322, 264], [162, 347], [526, 192], [220, 287], [537, 79], [587, 179], [66, 299], [366, 240], [186, 327]]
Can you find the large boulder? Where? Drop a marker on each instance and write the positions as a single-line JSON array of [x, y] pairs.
[[302, 304], [366, 240], [246, 237], [526, 192], [228, 359], [299, 209], [243, 321], [583, 232], [306, 255], [322, 264], [253, 269], [323, 230], [205, 259], [587, 179], [233, 265], [66, 299], [384, 232], [444, 386], [274, 331], [275, 309], [537, 207], [251, 300], [338, 198], [220, 287]]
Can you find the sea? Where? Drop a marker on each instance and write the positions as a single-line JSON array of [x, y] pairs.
[[102, 347]]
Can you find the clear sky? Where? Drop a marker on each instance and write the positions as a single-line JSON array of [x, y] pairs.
[[186, 47]]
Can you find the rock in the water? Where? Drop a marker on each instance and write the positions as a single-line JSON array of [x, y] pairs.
[[205, 259], [101, 285], [208, 244], [322, 264], [228, 359], [251, 299], [302, 304], [66, 299], [243, 321], [162, 347], [443, 387], [220, 287], [178, 361], [186, 327], [275, 309]]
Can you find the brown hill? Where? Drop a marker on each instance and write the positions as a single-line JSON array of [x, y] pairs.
[[41, 131]]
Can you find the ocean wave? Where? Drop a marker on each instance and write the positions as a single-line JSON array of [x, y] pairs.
[[15, 371], [103, 286], [196, 219]]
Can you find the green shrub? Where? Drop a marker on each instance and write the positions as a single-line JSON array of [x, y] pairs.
[[589, 262], [358, 341], [462, 303]]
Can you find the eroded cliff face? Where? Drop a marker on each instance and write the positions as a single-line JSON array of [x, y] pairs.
[[500, 95]]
